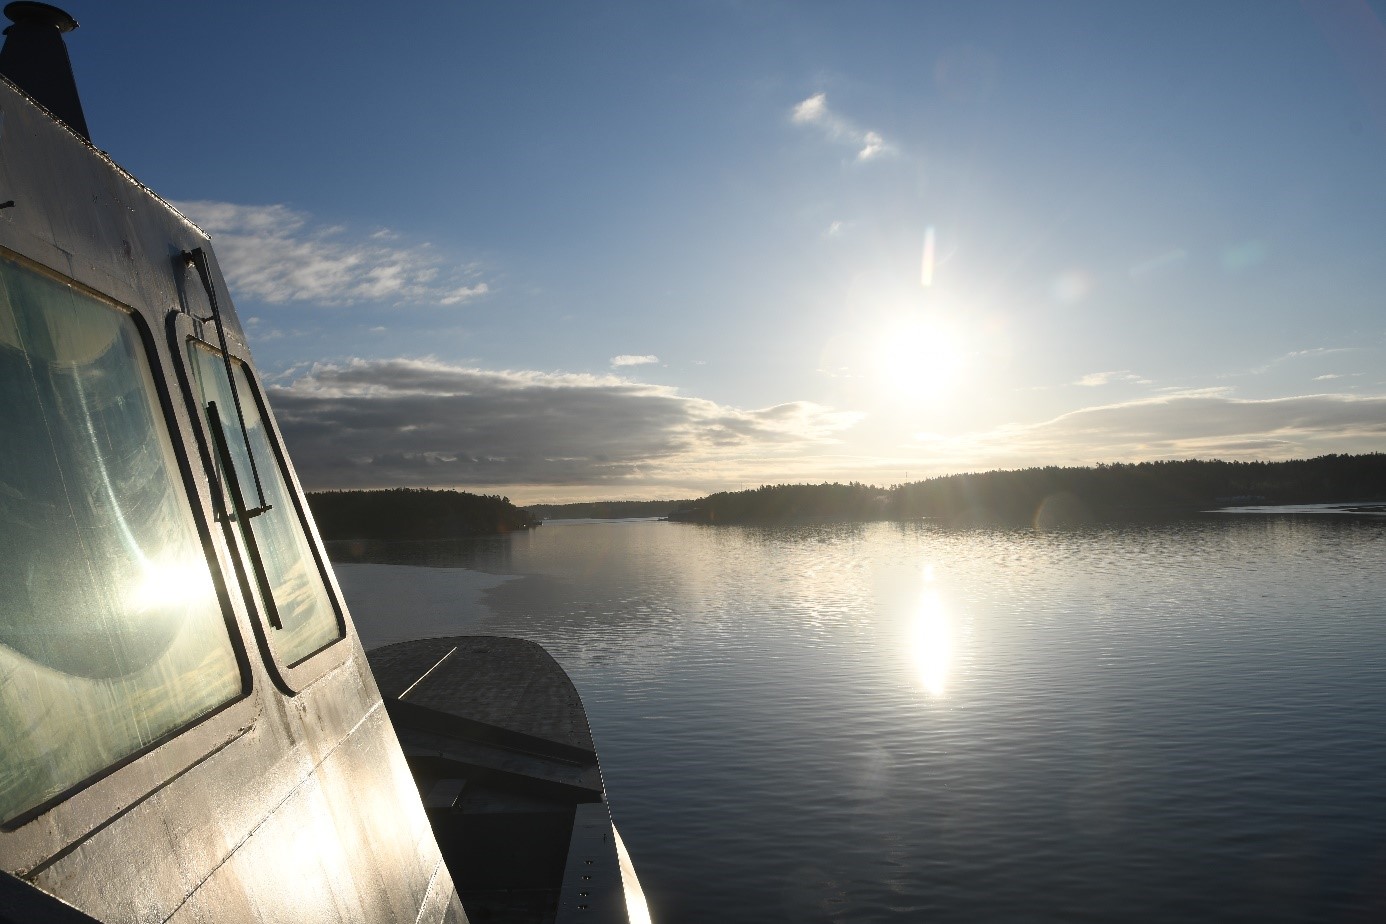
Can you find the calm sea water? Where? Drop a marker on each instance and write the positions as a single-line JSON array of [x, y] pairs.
[[906, 723]]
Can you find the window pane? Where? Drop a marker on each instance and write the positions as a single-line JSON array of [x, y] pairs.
[[111, 634], [308, 619]]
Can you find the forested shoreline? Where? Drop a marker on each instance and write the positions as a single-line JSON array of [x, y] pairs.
[[606, 510], [1044, 496], [1054, 495], [414, 513]]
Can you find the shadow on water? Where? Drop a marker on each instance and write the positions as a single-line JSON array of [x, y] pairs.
[[483, 553]]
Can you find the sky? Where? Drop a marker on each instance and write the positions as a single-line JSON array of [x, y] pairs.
[[645, 250]]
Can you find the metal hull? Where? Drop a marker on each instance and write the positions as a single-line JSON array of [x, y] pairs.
[[293, 801]]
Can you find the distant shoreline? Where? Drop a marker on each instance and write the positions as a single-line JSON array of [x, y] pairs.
[[1049, 496], [1054, 496]]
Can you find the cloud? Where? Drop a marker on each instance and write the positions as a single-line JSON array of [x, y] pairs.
[[1319, 351], [873, 144], [276, 254], [1295, 356], [814, 111], [626, 359], [413, 422], [1202, 424], [1095, 379], [464, 293]]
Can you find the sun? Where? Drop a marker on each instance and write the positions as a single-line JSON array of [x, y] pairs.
[[919, 359]]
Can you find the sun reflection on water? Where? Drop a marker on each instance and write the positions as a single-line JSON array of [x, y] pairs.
[[931, 639]]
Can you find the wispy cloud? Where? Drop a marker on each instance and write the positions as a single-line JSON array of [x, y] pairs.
[[1186, 425], [1319, 351], [814, 111], [277, 255], [1295, 356], [1124, 376], [397, 422], [627, 359]]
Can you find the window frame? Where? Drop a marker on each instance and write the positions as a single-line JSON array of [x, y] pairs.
[[45, 832], [187, 333]]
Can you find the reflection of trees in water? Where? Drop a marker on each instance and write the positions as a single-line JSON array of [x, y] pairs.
[[483, 553]]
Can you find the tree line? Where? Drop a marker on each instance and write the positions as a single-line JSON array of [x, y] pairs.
[[414, 513], [789, 503], [1054, 495], [1050, 495], [606, 510]]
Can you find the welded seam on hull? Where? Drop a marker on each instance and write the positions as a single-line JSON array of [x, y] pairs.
[[38, 869], [293, 791], [428, 893]]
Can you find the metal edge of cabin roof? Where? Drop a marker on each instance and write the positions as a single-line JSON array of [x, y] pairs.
[[81, 135], [107, 157]]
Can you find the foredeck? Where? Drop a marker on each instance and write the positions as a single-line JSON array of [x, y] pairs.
[[498, 741]]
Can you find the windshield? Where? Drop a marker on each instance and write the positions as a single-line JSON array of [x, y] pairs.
[[293, 594], [111, 633]]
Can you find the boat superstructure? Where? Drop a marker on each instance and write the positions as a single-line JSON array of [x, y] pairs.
[[189, 727]]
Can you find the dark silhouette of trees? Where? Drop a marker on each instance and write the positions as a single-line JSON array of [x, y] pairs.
[[1053, 495], [789, 503], [1041, 496], [412, 513], [606, 510]]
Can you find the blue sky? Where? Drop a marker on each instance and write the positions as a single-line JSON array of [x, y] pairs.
[[642, 250]]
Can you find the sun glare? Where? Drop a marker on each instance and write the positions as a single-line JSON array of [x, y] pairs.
[[167, 583], [919, 359], [931, 643]]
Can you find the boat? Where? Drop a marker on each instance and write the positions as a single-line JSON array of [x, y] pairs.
[[190, 728]]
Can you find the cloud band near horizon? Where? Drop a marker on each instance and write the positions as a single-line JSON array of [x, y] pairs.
[[409, 422], [424, 423]]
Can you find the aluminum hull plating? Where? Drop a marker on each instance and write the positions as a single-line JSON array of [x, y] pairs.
[[291, 801]]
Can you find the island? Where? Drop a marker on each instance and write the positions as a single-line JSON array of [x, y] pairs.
[[414, 513]]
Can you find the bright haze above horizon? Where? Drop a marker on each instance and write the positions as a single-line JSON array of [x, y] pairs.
[[646, 250]]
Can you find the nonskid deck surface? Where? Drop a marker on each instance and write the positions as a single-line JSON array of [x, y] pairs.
[[497, 737]]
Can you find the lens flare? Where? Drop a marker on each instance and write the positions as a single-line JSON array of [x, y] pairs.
[[926, 269]]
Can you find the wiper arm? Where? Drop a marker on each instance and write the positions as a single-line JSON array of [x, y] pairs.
[[243, 515]]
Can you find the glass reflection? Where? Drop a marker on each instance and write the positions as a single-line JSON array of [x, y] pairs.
[[307, 618], [111, 634]]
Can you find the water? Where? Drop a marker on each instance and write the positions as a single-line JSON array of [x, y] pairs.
[[904, 723]]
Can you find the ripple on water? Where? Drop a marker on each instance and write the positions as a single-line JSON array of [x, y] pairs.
[[894, 722]]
